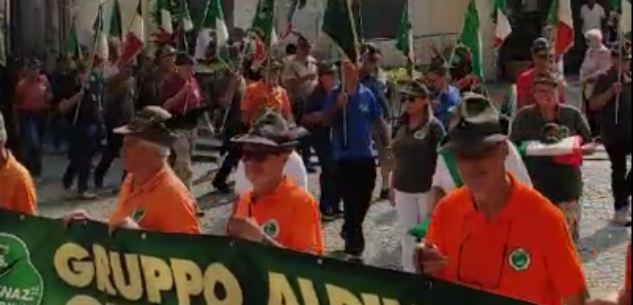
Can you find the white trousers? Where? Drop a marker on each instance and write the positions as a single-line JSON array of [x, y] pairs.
[[411, 209]]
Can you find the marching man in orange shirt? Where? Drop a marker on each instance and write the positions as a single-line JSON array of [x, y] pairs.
[[495, 233], [275, 211], [17, 192], [152, 197]]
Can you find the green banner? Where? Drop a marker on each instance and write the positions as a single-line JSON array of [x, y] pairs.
[[42, 262]]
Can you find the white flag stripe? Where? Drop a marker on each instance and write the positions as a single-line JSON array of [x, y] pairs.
[[166, 21], [626, 16], [504, 28]]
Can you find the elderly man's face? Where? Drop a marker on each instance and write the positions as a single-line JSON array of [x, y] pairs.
[[545, 95], [263, 166], [135, 153], [482, 173], [349, 71]]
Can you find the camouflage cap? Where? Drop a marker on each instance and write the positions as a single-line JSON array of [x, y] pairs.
[[416, 89], [476, 127], [541, 47], [547, 78], [271, 63], [272, 131], [326, 68], [150, 125], [3, 130]]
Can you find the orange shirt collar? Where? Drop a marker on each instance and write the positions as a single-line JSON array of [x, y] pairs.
[[282, 188], [126, 189]]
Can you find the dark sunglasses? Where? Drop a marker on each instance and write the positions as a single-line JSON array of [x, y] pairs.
[[257, 156]]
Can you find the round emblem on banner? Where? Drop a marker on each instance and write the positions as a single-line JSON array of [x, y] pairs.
[[271, 228], [520, 260]]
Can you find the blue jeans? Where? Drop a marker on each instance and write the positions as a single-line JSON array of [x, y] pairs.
[[31, 130]]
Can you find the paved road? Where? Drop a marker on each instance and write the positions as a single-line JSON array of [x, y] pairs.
[[605, 244]]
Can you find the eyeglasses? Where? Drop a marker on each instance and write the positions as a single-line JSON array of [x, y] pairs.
[[494, 252]]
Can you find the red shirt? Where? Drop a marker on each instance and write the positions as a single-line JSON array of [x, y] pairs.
[[524, 89], [32, 95], [172, 84]]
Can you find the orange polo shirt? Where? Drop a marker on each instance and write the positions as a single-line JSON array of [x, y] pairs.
[[17, 192], [289, 215], [525, 252], [259, 96], [163, 204]]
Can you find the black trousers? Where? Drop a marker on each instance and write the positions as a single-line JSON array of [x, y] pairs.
[[330, 196], [620, 174], [356, 182], [83, 145], [108, 155], [233, 156]]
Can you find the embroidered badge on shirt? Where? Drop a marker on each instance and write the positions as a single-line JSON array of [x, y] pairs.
[[520, 260], [271, 228], [138, 215]]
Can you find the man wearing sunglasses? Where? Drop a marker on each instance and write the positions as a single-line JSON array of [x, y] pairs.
[[496, 233], [543, 61], [275, 211]]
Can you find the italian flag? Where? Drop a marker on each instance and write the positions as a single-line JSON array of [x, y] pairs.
[[213, 22], [625, 19], [562, 23], [162, 16], [101, 49], [503, 28], [404, 41], [263, 30], [134, 39], [568, 151]]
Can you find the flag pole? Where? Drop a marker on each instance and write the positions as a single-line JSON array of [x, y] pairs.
[[95, 40]]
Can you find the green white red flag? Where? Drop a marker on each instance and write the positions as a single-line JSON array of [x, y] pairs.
[[503, 28], [134, 41], [561, 20]]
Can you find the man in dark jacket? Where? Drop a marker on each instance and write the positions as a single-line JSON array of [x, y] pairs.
[[83, 110], [118, 110], [612, 98]]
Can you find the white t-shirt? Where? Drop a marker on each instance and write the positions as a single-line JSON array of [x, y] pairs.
[[294, 169], [514, 165], [592, 18]]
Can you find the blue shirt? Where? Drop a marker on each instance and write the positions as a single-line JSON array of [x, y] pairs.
[[448, 100], [378, 86], [361, 111]]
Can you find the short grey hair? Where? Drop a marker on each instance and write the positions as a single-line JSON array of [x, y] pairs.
[[594, 34]]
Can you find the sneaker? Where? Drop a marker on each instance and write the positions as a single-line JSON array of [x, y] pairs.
[[353, 258], [327, 216], [87, 196], [622, 217]]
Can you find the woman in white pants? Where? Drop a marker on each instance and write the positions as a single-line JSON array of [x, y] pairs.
[[415, 155]]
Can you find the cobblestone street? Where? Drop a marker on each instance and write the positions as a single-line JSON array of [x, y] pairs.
[[605, 245]]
